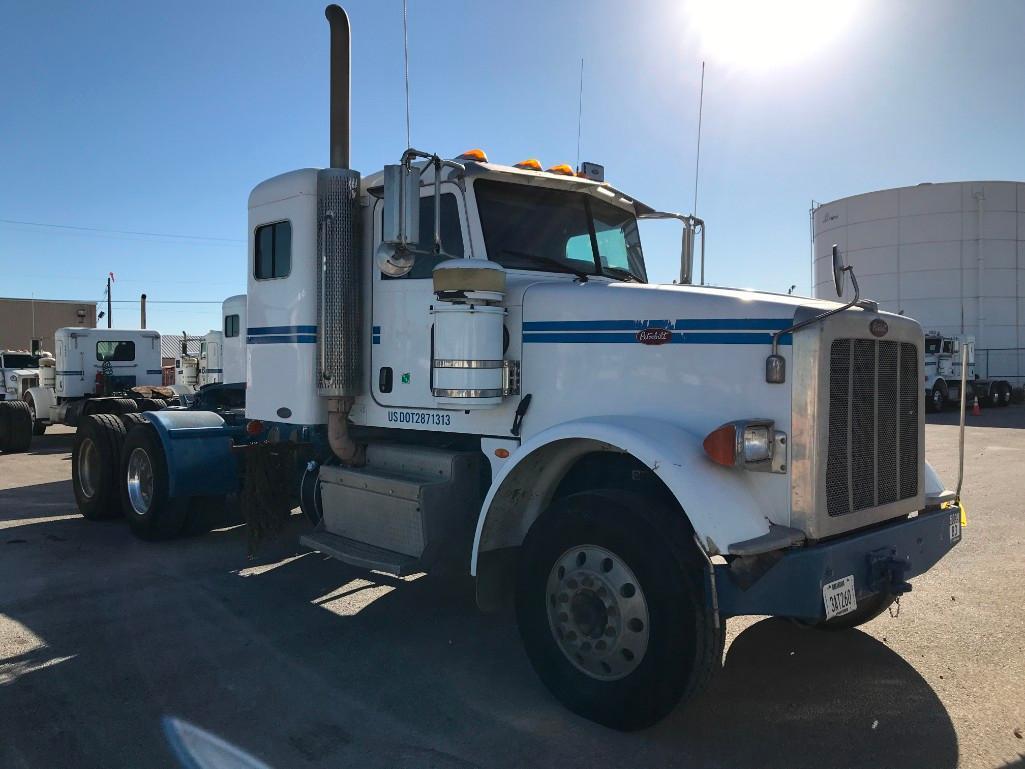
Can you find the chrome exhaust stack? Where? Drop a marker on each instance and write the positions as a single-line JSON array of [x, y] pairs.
[[339, 303]]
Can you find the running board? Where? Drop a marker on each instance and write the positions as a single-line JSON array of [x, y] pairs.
[[362, 555]]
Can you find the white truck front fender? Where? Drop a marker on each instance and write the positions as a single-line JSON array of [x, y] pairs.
[[43, 401], [719, 505]]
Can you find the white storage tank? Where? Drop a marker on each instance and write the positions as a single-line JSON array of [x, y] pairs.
[[950, 255]]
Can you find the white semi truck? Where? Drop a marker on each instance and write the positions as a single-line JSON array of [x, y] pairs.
[[95, 371], [942, 365], [465, 359], [19, 370], [221, 355]]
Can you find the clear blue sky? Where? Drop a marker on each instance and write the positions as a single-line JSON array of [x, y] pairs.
[[159, 118]]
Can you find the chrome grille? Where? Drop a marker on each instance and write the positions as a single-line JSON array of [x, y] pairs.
[[872, 456]]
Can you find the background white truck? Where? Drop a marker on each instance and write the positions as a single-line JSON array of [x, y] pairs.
[[942, 365], [19, 370], [458, 359], [93, 371], [221, 355]]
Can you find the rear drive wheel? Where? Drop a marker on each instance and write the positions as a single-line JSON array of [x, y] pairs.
[[123, 406], [38, 425], [151, 404], [151, 513], [95, 460], [611, 610], [867, 610], [1005, 394], [15, 427]]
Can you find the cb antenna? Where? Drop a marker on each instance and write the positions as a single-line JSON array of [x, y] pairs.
[[405, 56], [697, 158], [580, 110]]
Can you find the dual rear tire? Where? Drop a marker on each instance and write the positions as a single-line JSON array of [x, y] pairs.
[[15, 427], [119, 468]]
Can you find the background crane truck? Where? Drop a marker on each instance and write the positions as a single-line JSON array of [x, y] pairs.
[[942, 364], [463, 359]]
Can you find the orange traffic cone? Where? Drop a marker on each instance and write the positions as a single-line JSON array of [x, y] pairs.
[[976, 411]]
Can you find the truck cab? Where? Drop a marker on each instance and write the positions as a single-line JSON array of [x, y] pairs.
[[19, 371], [942, 377], [460, 361]]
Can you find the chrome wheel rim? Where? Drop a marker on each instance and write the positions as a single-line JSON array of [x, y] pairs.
[[140, 481], [88, 468], [597, 612], [937, 399]]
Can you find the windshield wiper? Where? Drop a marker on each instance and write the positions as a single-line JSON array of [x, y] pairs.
[[620, 272], [555, 263]]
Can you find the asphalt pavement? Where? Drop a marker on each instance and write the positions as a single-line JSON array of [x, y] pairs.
[[305, 662]]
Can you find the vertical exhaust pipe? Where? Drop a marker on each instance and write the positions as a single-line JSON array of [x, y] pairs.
[[142, 311], [340, 81], [339, 284]]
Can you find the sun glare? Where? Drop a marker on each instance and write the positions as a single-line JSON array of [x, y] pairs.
[[762, 34]]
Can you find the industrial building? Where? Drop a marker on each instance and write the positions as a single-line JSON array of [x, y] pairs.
[[950, 255], [28, 324]]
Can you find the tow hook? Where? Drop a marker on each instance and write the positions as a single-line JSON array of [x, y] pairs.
[[886, 572]]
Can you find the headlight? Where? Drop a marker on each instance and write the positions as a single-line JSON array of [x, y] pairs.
[[751, 444]]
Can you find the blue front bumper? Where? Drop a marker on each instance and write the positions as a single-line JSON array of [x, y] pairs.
[[792, 586]]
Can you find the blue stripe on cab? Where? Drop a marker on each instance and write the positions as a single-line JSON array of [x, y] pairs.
[[283, 339], [677, 338], [681, 324], [280, 330]]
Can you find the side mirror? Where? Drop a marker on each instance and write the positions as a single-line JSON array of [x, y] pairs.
[[401, 223], [838, 270]]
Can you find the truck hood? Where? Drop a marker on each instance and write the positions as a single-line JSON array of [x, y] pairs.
[[632, 306]]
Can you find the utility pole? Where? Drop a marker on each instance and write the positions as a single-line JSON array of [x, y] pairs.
[[108, 302]]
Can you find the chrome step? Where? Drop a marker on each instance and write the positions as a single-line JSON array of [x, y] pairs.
[[362, 555]]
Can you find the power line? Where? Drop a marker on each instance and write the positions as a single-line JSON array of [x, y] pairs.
[[138, 233], [166, 301]]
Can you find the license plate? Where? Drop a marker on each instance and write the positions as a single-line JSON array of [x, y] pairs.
[[955, 526], [839, 597]]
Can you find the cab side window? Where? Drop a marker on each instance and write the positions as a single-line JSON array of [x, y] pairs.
[[230, 326], [451, 237], [273, 251]]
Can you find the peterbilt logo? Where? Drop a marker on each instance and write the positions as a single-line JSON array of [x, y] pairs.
[[654, 336], [878, 327]]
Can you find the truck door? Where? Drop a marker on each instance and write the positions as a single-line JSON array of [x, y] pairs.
[[401, 334]]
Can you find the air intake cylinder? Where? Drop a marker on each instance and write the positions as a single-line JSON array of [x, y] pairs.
[[340, 354]]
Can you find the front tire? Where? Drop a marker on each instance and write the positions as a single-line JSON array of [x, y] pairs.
[[610, 606], [38, 425], [937, 398], [95, 463], [152, 514]]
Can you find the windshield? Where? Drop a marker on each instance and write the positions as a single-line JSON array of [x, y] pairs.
[[20, 360], [541, 228], [932, 344]]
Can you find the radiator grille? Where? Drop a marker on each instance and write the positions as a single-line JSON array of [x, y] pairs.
[[873, 424]]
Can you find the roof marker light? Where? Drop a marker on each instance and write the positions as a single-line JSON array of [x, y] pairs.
[[476, 155], [563, 169], [530, 164]]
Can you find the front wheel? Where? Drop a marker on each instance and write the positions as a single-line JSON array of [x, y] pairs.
[[937, 398], [610, 606], [38, 425]]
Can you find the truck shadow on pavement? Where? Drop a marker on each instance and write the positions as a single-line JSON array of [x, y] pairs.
[[304, 661]]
